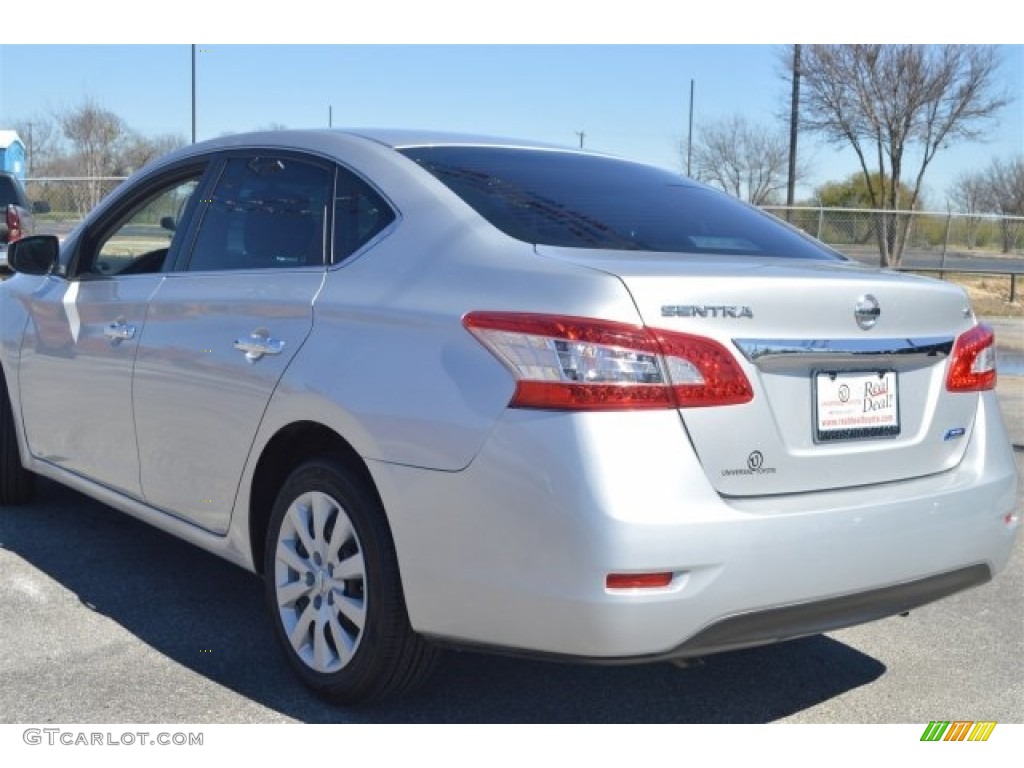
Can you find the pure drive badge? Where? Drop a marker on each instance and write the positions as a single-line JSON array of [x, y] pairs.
[[731, 311]]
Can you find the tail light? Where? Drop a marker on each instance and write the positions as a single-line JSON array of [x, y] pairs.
[[14, 231], [577, 363], [972, 367]]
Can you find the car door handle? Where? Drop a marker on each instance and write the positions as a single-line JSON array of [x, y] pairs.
[[259, 344], [119, 332]]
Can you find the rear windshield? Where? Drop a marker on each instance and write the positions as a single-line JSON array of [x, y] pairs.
[[586, 201]]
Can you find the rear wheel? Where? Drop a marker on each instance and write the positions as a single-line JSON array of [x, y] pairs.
[[334, 591], [17, 484]]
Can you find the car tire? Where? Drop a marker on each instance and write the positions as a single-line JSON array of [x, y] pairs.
[[334, 590], [17, 484]]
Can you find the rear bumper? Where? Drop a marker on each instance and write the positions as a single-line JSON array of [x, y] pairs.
[[513, 551], [775, 624]]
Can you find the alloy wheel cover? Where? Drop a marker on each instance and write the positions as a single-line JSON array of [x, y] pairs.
[[320, 582]]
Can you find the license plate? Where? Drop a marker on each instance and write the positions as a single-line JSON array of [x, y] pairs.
[[853, 406]]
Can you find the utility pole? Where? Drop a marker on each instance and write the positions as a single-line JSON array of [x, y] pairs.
[[193, 93], [794, 119], [581, 134], [689, 133], [330, 116], [31, 150]]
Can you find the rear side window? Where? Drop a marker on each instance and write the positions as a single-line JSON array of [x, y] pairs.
[[360, 214], [585, 201], [264, 213]]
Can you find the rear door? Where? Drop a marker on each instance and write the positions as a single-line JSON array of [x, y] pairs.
[[223, 327]]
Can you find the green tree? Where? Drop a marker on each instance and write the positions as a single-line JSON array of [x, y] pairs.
[[854, 192]]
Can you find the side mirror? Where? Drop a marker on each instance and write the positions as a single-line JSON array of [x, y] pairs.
[[168, 222], [35, 255]]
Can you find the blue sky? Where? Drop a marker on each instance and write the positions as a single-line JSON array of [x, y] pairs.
[[630, 100]]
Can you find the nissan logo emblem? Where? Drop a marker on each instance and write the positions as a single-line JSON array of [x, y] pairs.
[[867, 311]]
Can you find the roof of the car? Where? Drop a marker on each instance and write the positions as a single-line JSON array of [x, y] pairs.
[[396, 138], [331, 141]]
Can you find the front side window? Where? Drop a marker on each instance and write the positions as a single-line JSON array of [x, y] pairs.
[[548, 197], [140, 242], [264, 213]]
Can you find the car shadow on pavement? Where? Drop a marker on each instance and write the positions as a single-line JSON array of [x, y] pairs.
[[210, 617]]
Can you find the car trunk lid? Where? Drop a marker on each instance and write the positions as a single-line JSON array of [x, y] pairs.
[[848, 366]]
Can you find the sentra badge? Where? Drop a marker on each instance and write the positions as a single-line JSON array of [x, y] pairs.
[[735, 312]]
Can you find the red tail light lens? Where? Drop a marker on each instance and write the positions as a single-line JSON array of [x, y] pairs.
[[13, 224], [577, 363], [972, 367]]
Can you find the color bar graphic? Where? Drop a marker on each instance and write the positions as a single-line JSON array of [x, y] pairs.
[[958, 730]]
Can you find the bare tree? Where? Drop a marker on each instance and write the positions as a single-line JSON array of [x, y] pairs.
[[891, 103], [1004, 182], [138, 150], [95, 135], [969, 195], [998, 189], [745, 160], [85, 142]]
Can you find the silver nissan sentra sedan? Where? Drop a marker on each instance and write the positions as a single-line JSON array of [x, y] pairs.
[[450, 390]]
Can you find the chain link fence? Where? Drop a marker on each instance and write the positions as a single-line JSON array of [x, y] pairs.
[[846, 228], [61, 202]]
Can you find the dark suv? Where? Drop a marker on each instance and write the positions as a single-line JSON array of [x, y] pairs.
[[15, 214]]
